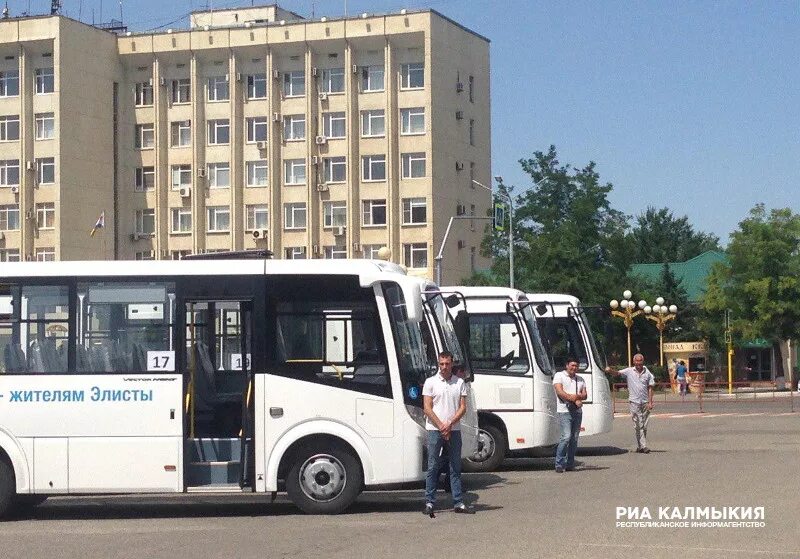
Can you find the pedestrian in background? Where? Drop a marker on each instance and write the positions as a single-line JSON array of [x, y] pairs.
[[680, 375]]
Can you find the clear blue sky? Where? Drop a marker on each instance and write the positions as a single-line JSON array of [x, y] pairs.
[[692, 105]]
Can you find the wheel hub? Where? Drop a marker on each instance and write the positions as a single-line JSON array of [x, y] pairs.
[[322, 477], [486, 446]]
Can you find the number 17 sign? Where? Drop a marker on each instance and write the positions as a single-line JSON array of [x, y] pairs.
[[160, 361]]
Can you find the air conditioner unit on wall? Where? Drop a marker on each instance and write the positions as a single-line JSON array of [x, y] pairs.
[[356, 247], [459, 115], [461, 244], [322, 187], [261, 145], [459, 87], [459, 166], [186, 191], [201, 172], [320, 140], [15, 190], [276, 74], [276, 117], [315, 159], [339, 231], [260, 234], [30, 165], [136, 236], [323, 96], [315, 249]]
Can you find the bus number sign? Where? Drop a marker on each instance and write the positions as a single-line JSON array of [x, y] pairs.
[[161, 361], [236, 362]]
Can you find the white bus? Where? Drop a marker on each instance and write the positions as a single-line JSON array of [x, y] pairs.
[[207, 376], [566, 327], [513, 374]]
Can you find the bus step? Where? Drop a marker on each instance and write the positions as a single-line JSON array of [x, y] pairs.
[[209, 473], [214, 449], [221, 488]]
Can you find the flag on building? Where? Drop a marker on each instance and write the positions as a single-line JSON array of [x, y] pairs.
[[99, 224]]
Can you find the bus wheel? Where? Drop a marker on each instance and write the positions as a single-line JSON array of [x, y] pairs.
[[7, 488], [324, 479], [492, 448]]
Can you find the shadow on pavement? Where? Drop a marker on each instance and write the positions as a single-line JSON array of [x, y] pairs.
[[600, 451]]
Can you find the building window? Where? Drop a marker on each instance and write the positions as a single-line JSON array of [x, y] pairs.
[[257, 217], [181, 133], [219, 131], [412, 76], [9, 83], [294, 84], [415, 211], [294, 171], [219, 219], [46, 170], [256, 129], [295, 253], [145, 222], [335, 169], [181, 176], [472, 255], [372, 78], [9, 172], [332, 80], [144, 94], [45, 254], [218, 89], [181, 91], [45, 126], [179, 254], [46, 215], [373, 168], [371, 251], [472, 174], [145, 255], [335, 252], [181, 220], [334, 214], [294, 215], [145, 136], [412, 120], [145, 179], [333, 125], [415, 255], [374, 213], [9, 128], [257, 86], [9, 218], [257, 172], [45, 81], [413, 165], [373, 123], [219, 175], [294, 127], [9, 255], [472, 89], [471, 132]]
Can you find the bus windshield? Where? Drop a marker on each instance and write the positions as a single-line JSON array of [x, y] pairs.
[[597, 353], [542, 356], [563, 335], [413, 353], [444, 323]]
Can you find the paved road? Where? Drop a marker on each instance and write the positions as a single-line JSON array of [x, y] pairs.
[[524, 510]]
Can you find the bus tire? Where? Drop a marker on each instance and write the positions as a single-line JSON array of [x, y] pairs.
[[493, 447], [8, 488], [324, 478]]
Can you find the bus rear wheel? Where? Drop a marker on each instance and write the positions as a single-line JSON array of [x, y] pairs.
[[7, 488], [324, 479], [492, 448]]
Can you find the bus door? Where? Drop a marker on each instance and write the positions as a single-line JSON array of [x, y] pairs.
[[218, 388]]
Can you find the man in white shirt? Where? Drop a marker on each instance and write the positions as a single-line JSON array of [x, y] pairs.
[[640, 398], [444, 399], [571, 392]]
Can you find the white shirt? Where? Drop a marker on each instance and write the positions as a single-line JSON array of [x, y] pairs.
[[570, 385], [446, 396]]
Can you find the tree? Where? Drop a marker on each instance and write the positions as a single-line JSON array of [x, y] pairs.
[[658, 236], [567, 237], [761, 282]]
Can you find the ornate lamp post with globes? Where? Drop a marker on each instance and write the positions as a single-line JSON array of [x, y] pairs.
[[660, 314], [627, 312]]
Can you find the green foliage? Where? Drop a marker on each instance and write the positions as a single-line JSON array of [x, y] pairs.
[[761, 283], [659, 236]]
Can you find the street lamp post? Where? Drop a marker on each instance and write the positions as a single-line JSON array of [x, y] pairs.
[[504, 193], [627, 313], [660, 314]]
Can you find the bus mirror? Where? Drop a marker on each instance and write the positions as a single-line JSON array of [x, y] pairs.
[[461, 326], [541, 308], [412, 292], [452, 300]]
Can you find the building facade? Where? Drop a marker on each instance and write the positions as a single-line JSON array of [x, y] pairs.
[[255, 128]]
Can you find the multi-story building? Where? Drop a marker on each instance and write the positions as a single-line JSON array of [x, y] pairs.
[[255, 128]]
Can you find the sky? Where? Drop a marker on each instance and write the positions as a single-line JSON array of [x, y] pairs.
[[691, 105]]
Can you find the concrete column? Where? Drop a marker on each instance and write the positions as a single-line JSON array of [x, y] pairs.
[[163, 177], [199, 184], [237, 87], [353, 236], [394, 202]]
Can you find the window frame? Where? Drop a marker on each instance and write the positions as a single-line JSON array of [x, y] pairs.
[[143, 94], [251, 167], [290, 83], [409, 205], [7, 123], [367, 77], [328, 119], [330, 166], [368, 208], [213, 215], [368, 117], [367, 164], [327, 81], [183, 171], [142, 218], [140, 176], [254, 84], [7, 167], [143, 131], [44, 77], [334, 214], [406, 73], [177, 128], [409, 252], [214, 170], [294, 163], [216, 127], [43, 163], [8, 77], [40, 121], [221, 88], [294, 209], [178, 87], [9, 216], [407, 115], [406, 164], [177, 216], [252, 213], [253, 125], [290, 125]]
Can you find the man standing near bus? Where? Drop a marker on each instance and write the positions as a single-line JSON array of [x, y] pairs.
[[640, 398], [571, 392], [444, 400]]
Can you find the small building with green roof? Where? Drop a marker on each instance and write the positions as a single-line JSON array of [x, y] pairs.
[[692, 274]]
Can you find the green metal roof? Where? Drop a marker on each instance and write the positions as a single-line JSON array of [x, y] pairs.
[[691, 274]]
